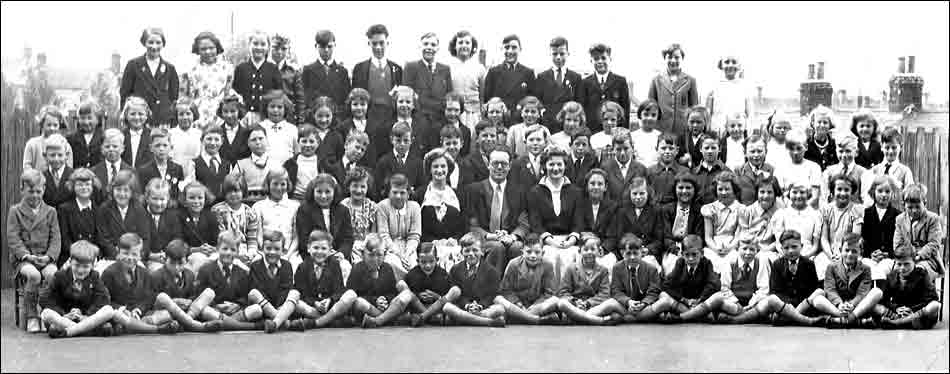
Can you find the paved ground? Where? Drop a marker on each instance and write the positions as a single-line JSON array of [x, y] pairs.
[[516, 348]]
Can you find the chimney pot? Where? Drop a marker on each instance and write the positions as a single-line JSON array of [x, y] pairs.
[[821, 70], [811, 71], [910, 64], [901, 67]]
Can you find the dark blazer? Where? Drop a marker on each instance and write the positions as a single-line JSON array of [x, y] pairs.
[[237, 148], [662, 180], [234, 289], [209, 178], [452, 225], [483, 287], [330, 284], [617, 184], [174, 173], [592, 96], [431, 88], [477, 207], [577, 172], [387, 166], [320, 80], [541, 211], [274, 289], [707, 180], [310, 217], [521, 174], [252, 84], [169, 227], [686, 145], [695, 224], [361, 74], [373, 132], [110, 226], [62, 296], [75, 226], [746, 178], [643, 286], [292, 85], [425, 134], [437, 282], [813, 153], [877, 232], [163, 280], [56, 194], [648, 226], [915, 294], [554, 95], [203, 230], [144, 153], [702, 284], [86, 155], [472, 168], [603, 225], [139, 294], [331, 146], [362, 282], [160, 92], [870, 156], [793, 288], [511, 85]]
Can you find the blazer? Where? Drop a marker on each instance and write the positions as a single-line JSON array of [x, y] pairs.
[[430, 88], [163, 280], [329, 285], [310, 217], [56, 194], [203, 230], [793, 288], [275, 288], [159, 90], [575, 285], [521, 174], [878, 232], [925, 237], [144, 153], [209, 178], [617, 184], [685, 145], [323, 166], [675, 99], [554, 95], [369, 288], [32, 234], [137, 294], [472, 168], [174, 174], [110, 226], [918, 291], [233, 289], [518, 286], [237, 148], [702, 284], [662, 179], [694, 223], [648, 226], [387, 166], [481, 288], [747, 179], [85, 155], [320, 80], [642, 284], [591, 96], [576, 172], [437, 282], [63, 296], [361, 74], [869, 156], [477, 207], [707, 180], [842, 285], [373, 131], [541, 211], [511, 85], [292, 85], [75, 225], [169, 227], [425, 134], [603, 224], [253, 83]]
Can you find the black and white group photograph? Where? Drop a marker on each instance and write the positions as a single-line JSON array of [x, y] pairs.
[[465, 186]]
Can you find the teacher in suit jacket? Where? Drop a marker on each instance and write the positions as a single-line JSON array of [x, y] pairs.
[[429, 79], [152, 77], [675, 91]]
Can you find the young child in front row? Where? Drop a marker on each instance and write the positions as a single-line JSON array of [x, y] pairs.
[[745, 281], [848, 296], [920, 229], [165, 224], [323, 297], [254, 169], [471, 299], [122, 214], [278, 212], [909, 299], [379, 301], [176, 292], [585, 285], [429, 283], [528, 287], [34, 241], [877, 230], [721, 222], [837, 220], [272, 282], [130, 290], [230, 285], [58, 172], [690, 292], [77, 302], [634, 286]]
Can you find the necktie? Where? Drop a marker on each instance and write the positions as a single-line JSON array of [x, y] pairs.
[[793, 267], [180, 281], [577, 164], [55, 177], [559, 78], [227, 274], [399, 163], [115, 171], [158, 219], [745, 271], [273, 270], [679, 223], [887, 168], [318, 271], [214, 165], [496, 201], [603, 84], [690, 271], [432, 68], [132, 276], [633, 278], [470, 273]]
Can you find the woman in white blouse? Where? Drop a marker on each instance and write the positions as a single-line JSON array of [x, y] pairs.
[[468, 76], [730, 95], [442, 220]]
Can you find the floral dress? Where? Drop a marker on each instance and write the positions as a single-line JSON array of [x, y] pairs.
[[207, 84], [363, 220]]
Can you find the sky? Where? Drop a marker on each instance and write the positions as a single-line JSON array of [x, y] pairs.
[[859, 42]]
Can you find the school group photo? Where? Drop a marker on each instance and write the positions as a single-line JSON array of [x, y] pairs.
[[283, 196]]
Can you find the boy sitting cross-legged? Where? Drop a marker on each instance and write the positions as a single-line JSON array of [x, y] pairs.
[[374, 282], [471, 300], [230, 285], [174, 286], [272, 282], [323, 297], [528, 286]]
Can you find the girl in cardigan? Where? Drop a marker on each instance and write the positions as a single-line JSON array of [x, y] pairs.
[[50, 121], [236, 216]]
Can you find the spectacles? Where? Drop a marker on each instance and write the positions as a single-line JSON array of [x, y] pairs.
[[500, 164]]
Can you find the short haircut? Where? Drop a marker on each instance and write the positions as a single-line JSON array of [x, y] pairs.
[[892, 135], [481, 126], [790, 235], [510, 38], [852, 239], [372, 242], [318, 235], [454, 97], [581, 132], [429, 34], [255, 128], [400, 129], [905, 252], [530, 100], [630, 240], [666, 138], [537, 128], [228, 237], [210, 36], [850, 182], [357, 174], [747, 238], [915, 193], [324, 37], [435, 154], [151, 31], [448, 132], [307, 130], [276, 95], [83, 252], [558, 41], [157, 134], [612, 107], [128, 241], [157, 185], [192, 107], [113, 135], [176, 250], [861, 116], [272, 175], [572, 108], [32, 178], [710, 135], [357, 94], [213, 129], [470, 239], [272, 236], [319, 179], [377, 29], [848, 141], [673, 48], [531, 240], [599, 49], [693, 241], [278, 41], [233, 183], [620, 137], [82, 175], [426, 247], [232, 100], [55, 142], [357, 137], [755, 138], [398, 180], [461, 34], [124, 178], [647, 104], [641, 182]]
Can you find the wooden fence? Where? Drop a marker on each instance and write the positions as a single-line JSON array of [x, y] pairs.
[[18, 127]]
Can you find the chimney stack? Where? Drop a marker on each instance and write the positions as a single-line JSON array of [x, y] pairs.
[[811, 71], [910, 64], [821, 70], [900, 65]]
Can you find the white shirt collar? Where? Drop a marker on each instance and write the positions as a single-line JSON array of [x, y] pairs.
[[81, 206], [257, 65], [380, 62], [207, 157], [330, 62], [135, 132], [602, 77]]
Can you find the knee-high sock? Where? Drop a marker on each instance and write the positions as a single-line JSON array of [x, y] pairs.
[[464, 317], [166, 303], [577, 314], [396, 307], [91, 322], [133, 325]]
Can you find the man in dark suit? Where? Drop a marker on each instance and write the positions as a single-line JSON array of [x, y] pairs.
[[387, 75], [496, 208], [326, 76], [510, 80], [557, 85], [290, 76], [429, 79], [603, 86]]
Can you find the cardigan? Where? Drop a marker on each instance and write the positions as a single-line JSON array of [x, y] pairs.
[[253, 83], [85, 155], [576, 285], [34, 150]]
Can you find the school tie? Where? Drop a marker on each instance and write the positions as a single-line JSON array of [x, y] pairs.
[[272, 269], [431, 67], [180, 280], [746, 269], [214, 165], [227, 274], [470, 271], [603, 84], [793, 267], [559, 78], [496, 201], [112, 175], [691, 270], [577, 164], [633, 278], [317, 271], [55, 177], [131, 277], [887, 168], [157, 218]]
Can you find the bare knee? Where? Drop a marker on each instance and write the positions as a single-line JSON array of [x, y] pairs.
[[163, 298], [348, 297], [30, 274], [405, 296], [255, 296], [293, 295], [253, 312]]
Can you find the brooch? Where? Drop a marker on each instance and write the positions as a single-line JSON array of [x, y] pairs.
[[524, 85]]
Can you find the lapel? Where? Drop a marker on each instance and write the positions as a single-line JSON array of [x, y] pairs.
[[509, 84], [28, 219], [149, 76], [116, 215], [425, 73]]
